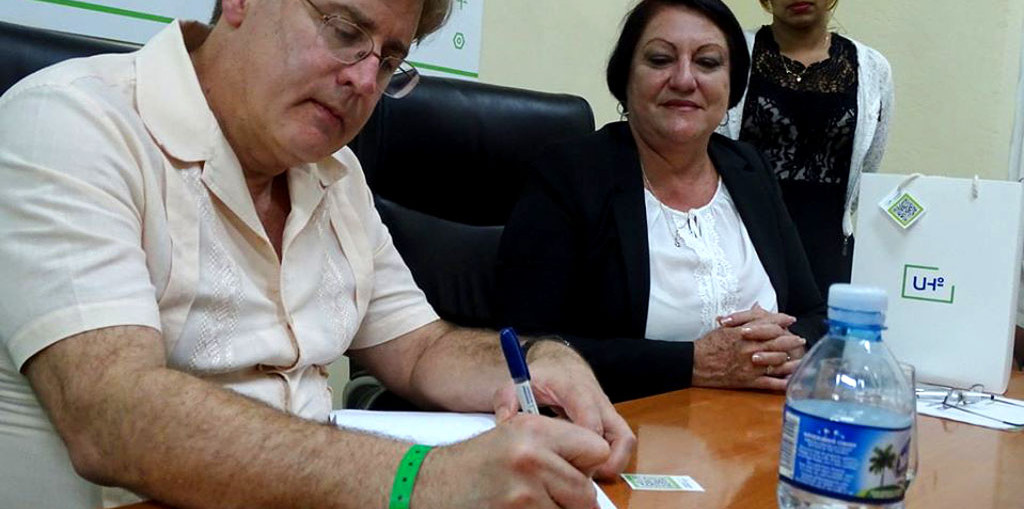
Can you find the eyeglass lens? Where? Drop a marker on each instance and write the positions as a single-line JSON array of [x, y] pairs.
[[350, 44]]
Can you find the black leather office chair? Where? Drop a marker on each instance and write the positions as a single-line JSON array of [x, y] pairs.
[[25, 50], [446, 165]]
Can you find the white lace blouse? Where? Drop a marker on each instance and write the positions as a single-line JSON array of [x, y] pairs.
[[703, 266]]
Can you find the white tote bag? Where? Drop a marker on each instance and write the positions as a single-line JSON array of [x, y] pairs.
[[952, 274]]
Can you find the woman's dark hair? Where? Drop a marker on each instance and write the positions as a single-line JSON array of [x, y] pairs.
[[636, 21]]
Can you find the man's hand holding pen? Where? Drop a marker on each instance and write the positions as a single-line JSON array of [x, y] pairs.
[[563, 381]]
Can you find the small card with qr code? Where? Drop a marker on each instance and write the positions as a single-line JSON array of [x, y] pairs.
[[902, 208], [661, 482]]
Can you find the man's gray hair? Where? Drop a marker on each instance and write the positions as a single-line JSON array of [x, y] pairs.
[[435, 14]]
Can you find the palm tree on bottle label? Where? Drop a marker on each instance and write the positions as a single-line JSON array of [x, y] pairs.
[[882, 460]]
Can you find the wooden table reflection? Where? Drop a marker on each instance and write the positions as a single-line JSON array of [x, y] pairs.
[[728, 441]]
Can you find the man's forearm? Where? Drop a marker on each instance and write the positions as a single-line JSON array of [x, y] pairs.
[[175, 438], [454, 368], [206, 447], [458, 369]]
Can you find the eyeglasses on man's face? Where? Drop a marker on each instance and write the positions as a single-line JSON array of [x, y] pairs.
[[349, 44]]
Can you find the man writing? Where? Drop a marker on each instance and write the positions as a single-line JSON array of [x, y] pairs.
[[185, 248]]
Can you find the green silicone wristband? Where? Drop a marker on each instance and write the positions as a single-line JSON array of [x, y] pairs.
[[405, 477]]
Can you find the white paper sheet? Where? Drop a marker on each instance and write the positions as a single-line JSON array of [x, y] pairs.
[[428, 428], [994, 411]]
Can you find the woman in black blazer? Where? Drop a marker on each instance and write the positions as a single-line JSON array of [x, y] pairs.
[[576, 254]]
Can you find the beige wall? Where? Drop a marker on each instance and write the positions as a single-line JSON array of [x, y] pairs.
[[956, 66], [552, 45]]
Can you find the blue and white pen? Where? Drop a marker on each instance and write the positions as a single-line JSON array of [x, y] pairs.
[[517, 368]]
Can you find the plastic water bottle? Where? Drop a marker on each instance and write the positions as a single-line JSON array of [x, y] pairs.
[[847, 421]]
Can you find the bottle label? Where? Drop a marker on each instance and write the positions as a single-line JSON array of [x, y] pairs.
[[852, 462]]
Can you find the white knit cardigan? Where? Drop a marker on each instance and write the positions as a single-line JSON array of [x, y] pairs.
[[874, 109]]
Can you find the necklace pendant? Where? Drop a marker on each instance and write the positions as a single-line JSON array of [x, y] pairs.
[[799, 78]]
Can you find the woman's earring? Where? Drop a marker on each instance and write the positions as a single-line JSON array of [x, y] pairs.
[[725, 119], [623, 112]]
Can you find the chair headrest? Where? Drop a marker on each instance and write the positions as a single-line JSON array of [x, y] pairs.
[[453, 149], [24, 50]]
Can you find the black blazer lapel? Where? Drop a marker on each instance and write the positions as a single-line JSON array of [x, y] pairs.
[[627, 201]]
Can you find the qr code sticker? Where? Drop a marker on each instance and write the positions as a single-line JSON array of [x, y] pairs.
[[662, 482], [905, 210]]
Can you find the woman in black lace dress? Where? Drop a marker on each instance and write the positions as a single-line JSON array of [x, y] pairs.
[[818, 105]]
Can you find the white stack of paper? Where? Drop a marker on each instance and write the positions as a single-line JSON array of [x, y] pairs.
[[427, 428]]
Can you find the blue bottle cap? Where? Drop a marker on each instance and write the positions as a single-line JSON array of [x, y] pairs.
[[857, 304]]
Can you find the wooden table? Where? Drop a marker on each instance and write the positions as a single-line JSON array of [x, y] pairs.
[[728, 441]]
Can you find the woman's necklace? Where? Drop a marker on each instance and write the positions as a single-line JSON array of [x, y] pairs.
[[670, 220], [799, 76], [692, 223]]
